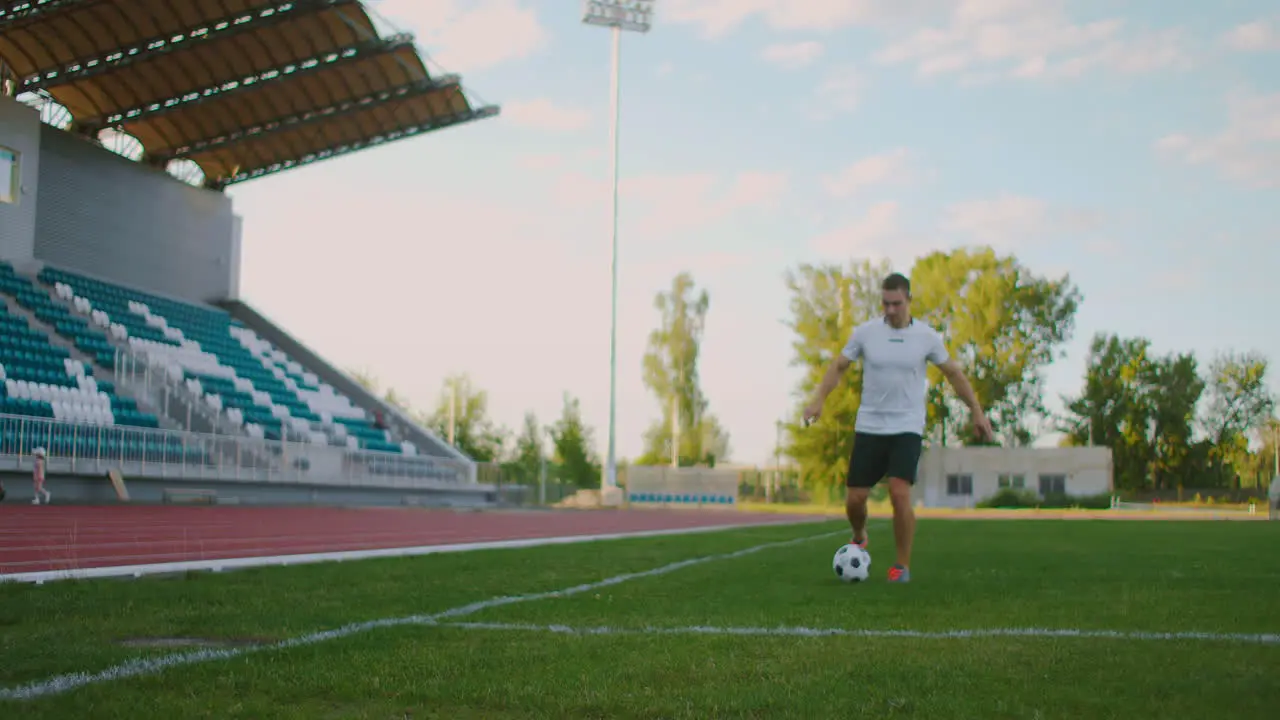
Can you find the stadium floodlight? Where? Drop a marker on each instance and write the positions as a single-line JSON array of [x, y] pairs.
[[617, 15]]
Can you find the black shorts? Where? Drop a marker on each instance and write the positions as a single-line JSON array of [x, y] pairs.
[[876, 457]]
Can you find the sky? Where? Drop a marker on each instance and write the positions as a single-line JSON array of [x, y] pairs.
[[1132, 144]]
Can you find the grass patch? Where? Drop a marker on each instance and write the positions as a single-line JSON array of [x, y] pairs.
[[1113, 575]]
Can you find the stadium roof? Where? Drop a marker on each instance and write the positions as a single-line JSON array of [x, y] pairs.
[[243, 88]]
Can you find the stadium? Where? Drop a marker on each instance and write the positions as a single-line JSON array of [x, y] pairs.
[[377, 574]]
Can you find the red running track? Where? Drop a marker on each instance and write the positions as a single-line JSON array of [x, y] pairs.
[[44, 538]]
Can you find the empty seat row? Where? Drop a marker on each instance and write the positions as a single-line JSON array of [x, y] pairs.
[[268, 391], [40, 379]]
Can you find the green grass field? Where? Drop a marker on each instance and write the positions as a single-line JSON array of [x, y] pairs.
[[518, 660]]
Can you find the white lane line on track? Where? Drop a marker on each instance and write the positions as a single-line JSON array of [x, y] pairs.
[[218, 564]]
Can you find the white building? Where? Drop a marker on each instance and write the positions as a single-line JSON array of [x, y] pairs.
[[963, 476]]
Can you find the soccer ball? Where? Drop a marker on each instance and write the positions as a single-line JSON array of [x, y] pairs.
[[852, 563]]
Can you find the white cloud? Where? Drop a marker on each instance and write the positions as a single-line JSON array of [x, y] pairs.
[[1003, 221], [1257, 36], [540, 161], [887, 168], [793, 56], [875, 235], [544, 114], [1032, 39], [663, 204], [1008, 221], [1247, 150], [838, 93], [718, 17], [469, 36]]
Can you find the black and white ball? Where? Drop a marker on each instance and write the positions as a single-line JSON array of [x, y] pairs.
[[852, 563]]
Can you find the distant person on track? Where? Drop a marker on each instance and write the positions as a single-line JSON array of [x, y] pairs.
[[37, 478], [889, 430]]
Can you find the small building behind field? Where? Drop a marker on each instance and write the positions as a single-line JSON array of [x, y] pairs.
[[961, 477]]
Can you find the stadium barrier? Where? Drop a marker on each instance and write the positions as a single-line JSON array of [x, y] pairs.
[[1174, 508], [689, 486], [154, 384], [90, 449]]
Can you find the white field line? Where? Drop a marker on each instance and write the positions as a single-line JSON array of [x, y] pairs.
[[1256, 638], [146, 666]]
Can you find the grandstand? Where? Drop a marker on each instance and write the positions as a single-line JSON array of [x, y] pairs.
[[125, 345]]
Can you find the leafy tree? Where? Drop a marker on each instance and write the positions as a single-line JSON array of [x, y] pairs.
[[1004, 324], [1143, 407], [529, 452], [574, 447], [1174, 391], [1239, 401], [1257, 468], [671, 374], [827, 301], [474, 433]]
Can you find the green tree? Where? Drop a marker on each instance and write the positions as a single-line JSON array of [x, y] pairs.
[[1239, 402], [1174, 391], [827, 301], [474, 433], [671, 374], [1143, 407], [1112, 409], [574, 447], [529, 452], [1004, 325]]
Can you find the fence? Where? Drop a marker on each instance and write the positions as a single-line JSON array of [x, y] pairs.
[[295, 457], [733, 485], [82, 448], [661, 485]]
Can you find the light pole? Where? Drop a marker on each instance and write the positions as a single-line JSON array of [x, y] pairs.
[[617, 15]]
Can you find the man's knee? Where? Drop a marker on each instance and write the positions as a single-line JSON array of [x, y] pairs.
[[900, 492], [856, 496]]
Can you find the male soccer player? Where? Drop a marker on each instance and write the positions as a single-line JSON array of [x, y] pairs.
[[889, 429]]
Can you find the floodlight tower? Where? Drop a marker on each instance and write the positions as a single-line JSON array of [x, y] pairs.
[[617, 15]]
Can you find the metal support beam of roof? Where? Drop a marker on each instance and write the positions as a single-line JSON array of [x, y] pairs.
[[12, 13], [292, 122], [292, 70], [434, 124], [157, 46]]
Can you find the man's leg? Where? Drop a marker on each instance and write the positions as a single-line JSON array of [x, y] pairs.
[[904, 458], [855, 507], [904, 519], [867, 465]]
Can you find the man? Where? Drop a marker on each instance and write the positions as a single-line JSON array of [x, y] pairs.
[[889, 430]]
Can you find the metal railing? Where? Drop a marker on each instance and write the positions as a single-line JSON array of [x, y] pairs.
[[89, 449], [211, 447]]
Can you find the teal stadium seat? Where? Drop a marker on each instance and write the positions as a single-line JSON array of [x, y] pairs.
[[256, 386], [41, 381]]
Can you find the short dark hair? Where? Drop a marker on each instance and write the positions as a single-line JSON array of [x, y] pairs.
[[897, 281]]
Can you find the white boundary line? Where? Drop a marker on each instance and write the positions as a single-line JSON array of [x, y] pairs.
[[146, 666], [220, 564], [1258, 638]]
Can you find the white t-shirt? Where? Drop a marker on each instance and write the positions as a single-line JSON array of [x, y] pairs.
[[893, 374]]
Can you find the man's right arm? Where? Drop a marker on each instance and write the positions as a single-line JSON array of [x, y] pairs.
[[851, 351], [831, 378]]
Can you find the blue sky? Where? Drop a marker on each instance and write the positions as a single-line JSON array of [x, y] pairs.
[[1133, 144]]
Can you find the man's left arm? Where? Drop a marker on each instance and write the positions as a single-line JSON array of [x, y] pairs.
[[954, 374]]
